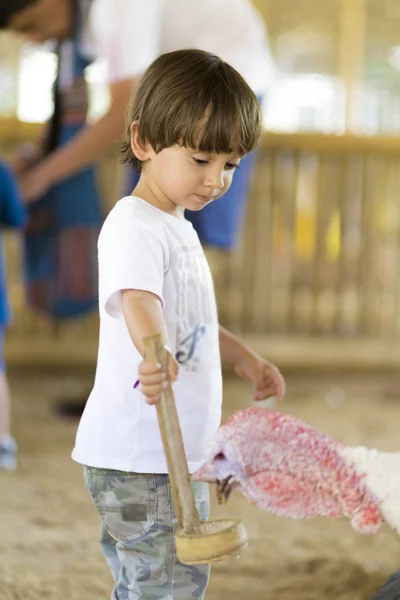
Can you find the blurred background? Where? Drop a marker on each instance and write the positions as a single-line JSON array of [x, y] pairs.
[[314, 285], [319, 257]]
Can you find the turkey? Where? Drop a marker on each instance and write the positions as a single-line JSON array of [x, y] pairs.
[[288, 468]]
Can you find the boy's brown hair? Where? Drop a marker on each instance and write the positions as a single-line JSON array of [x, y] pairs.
[[193, 99]]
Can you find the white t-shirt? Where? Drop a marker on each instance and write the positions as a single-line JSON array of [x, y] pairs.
[[141, 247], [130, 34]]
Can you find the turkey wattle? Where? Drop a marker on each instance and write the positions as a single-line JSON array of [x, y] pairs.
[[286, 467]]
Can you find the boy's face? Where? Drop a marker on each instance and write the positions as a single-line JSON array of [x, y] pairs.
[[189, 178], [44, 20]]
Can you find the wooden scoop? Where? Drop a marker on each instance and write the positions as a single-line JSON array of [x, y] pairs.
[[197, 542]]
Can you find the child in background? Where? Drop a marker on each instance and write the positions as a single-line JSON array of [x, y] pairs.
[[192, 121], [12, 214]]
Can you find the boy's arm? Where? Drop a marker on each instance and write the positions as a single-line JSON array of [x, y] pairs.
[[232, 349], [266, 377], [143, 316]]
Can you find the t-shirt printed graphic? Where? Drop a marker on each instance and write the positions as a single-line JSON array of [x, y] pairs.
[[193, 307]]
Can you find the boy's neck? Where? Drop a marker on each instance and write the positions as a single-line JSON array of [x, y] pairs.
[[149, 193]]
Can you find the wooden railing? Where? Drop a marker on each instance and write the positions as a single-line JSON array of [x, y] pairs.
[[321, 245], [320, 251]]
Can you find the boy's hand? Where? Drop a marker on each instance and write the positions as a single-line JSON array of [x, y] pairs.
[[266, 377], [153, 380]]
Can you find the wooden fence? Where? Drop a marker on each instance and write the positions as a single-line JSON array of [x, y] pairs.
[[321, 244], [319, 258]]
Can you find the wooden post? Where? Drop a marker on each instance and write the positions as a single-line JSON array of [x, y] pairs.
[[351, 52]]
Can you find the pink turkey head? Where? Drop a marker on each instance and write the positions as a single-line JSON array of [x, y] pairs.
[[223, 460], [233, 454], [283, 465]]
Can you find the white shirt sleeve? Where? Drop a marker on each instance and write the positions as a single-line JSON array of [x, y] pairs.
[[127, 34], [132, 255]]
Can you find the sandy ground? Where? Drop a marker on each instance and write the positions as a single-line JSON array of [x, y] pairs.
[[49, 529]]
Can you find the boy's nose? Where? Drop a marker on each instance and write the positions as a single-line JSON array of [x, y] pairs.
[[215, 179]]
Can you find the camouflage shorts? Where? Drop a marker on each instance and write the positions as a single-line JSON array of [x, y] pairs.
[[137, 535]]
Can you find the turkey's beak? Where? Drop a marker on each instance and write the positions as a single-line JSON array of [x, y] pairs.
[[205, 473]]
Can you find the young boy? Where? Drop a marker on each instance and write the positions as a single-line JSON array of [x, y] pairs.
[[192, 121], [12, 214]]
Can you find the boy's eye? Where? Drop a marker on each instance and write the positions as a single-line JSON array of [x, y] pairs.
[[200, 161], [231, 166]]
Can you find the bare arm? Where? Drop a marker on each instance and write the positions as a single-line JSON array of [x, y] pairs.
[[143, 317], [85, 148], [30, 153], [266, 377], [232, 348]]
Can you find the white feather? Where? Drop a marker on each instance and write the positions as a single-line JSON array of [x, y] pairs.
[[382, 471]]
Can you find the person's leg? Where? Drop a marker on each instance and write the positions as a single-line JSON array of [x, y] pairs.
[[108, 545], [5, 404], [8, 447], [71, 406], [107, 542], [137, 514]]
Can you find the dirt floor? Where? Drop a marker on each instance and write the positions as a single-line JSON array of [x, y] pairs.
[[49, 530]]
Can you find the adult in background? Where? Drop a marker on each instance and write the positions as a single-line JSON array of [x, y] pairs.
[[56, 175]]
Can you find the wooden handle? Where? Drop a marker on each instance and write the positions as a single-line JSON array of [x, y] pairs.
[[182, 492]]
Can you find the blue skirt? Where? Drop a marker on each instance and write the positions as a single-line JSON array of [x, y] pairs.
[[60, 248]]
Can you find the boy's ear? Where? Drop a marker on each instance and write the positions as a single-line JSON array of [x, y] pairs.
[[142, 150]]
